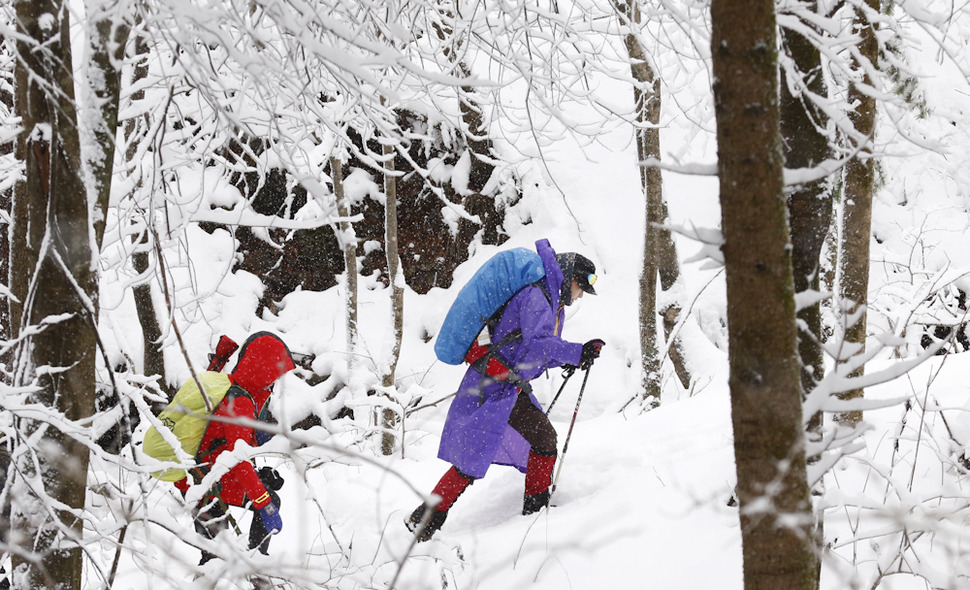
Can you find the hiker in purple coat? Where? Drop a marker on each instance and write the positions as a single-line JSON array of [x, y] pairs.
[[495, 418]]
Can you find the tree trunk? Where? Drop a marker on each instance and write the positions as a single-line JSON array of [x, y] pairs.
[[810, 215], [107, 54], [809, 205], [659, 252], [153, 356], [647, 104], [766, 406], [348, 242], [857, 208], [669, 267], [6, 198], [52, 276], [396, 282]]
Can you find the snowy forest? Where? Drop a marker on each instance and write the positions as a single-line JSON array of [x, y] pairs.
[[775, 194]]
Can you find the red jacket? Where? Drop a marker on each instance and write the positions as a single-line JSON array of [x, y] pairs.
[[263, 359]]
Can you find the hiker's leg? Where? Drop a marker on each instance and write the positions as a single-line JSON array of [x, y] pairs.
[[258, 535], [210, 518], [449, 487], [535, 427]]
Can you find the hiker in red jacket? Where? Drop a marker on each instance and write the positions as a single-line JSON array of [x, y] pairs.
[[263, 359]]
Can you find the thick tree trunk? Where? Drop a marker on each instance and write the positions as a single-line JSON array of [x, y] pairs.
[[766, 408], [809, 205], [857, 208], [396, 280], [53, 278]]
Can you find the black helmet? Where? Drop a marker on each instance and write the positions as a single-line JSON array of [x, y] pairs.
[[584, 271], [578, 267]]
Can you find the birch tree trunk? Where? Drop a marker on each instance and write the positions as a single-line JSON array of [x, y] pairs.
[[53, 280], [396, 284], [766, 408], [857, 206]]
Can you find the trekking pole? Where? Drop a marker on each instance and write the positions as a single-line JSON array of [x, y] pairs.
[[567, 373], [569, 434]]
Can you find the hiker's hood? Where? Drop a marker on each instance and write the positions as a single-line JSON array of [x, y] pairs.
[[554, 275], [263, 359]]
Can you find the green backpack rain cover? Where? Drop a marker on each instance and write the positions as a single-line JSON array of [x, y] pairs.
[[187, 417]]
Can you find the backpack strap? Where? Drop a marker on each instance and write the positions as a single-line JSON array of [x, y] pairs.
[[488, 360], [493, 364]]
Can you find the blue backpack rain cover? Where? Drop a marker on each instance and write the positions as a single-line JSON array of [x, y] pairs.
[[501, 277]]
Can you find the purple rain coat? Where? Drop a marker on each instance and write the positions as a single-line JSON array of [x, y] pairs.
[[476, 433]]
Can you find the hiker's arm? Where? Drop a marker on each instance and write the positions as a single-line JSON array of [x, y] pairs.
[[243, 476]]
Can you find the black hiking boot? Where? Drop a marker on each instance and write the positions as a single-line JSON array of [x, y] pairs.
[[535, 502], [414, 521]]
